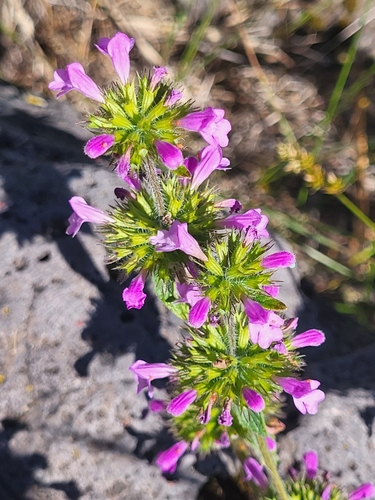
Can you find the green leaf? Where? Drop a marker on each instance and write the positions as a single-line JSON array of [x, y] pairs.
[[165, 292], [266, 301], [249, 420]]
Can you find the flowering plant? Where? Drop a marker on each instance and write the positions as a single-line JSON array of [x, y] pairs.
[[211, 262]]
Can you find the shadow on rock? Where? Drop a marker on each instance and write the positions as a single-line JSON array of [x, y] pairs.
[[17, 472]]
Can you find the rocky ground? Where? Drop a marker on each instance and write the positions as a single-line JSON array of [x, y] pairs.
[[72, 426]]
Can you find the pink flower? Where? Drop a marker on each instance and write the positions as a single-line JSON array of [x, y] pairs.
[[146, 372], [210, 123], [134, 296], [204, 418], [173, 97], [210, 159], [157, 405], [264, 326], [118, 48], [159, 72], [170, 155], [231, 203], [251, 218], [167, 460], [279, 259], [199, 312], [75, 78], [305, 393], [84, 213], [311, 463], [99, 145], [254, 472], [254, 400], [177, 238], [181, 402], [225, 417], [309, 338], [271, 443], [272, 290], [365, 491], [189, 293]]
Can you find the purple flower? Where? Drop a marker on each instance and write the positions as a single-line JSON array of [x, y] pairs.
[[99, 145], [177, 238], [326, 493], [254, 472], [272, 290], [170, 155], [75, 78], [189, 293], [204, 418], [309, 338], [118, 48], [224, 440], [271, 443], [173, 97], [251, 218], [122, 193], [84, 213], [134, 296], [157, 405], [209, 161], [258, 231], [279, 259], [167, 460], [225, 417], [233, 205], [305, 393], [181, 402], [210, 123], [264, 326], [159, 72], [146, 372], [195, 443], [199, 312], [365, 491], [311, 463], [254, 400]]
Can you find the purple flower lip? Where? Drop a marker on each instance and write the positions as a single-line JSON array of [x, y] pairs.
[[82, 212], [305, 393], [177, 237], [134, 296], [367, 490], [170, 155], [75, 78], [181, 402], [146, 372]]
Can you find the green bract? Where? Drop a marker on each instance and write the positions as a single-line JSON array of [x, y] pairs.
[[137, 115], [219, 361]]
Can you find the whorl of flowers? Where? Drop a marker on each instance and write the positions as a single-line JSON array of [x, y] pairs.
[[211, 262]]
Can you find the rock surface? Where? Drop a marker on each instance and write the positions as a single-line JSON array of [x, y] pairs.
[[72, 425]]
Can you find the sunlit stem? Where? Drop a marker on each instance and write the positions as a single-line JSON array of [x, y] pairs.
[[154, 183], [269, 461]]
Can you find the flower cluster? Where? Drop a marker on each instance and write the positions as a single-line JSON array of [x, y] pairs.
[[211, 262], [307, 484]]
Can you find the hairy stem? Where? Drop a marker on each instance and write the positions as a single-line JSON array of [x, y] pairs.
[[154, 183], [272, 469]]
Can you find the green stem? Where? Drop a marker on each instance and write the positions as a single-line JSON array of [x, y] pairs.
[[272, 469], [355, 210]]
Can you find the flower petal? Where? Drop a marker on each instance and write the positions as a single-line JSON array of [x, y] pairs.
[[99, 145]]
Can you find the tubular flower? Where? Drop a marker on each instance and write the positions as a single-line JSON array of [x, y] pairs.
[[118, 48], [199, 312], [99, 145], [84, 213], [254, 472], [279, 259], [305, 393], [167, 460], [177, 238], [211, 157], [181, 402], [311, 464], [211, 125], [146, 372], [134, 296], [75, 78], [170, 155], [254, 400]]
